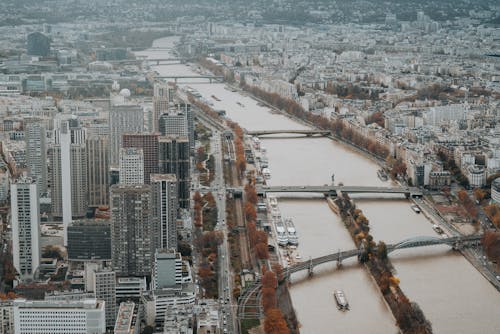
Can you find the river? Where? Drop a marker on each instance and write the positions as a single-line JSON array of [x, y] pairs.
[[452, 294]]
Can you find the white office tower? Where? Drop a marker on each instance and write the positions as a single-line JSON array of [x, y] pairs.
[[36, 152], [69, 191], [131, 166], [123, 119], [165, 207], [162, 96], [59, 317], [105, 289], [25, 210], [167, 269]]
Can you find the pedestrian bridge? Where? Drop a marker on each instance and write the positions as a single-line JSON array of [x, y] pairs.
[[307, 133], [331, 190], [455, 242]]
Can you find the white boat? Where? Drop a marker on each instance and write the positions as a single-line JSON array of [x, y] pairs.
[[275, 214], [341, 300], [266, 172], [438, 229], [415, 208], [293, 239], [273, 201], [281, 235]]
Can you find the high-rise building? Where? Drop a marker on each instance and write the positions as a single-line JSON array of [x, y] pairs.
[[59, 317], [167, 269], [6, 317], [98, 170], [163, 95], [174, 124], [36, 152], [186, 109], [69, 174], [105, 289], [89, 240], [131, 229], [131, 166], [149, 145], [165, 206], [173, 158], [123, 119], [38, 44], [25, 210]]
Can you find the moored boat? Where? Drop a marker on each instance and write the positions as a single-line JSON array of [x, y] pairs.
[[293, 238], [341, 300], [416, 208], [382, 175], [281, 235]]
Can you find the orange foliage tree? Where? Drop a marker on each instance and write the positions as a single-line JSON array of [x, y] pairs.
[[275, 322]]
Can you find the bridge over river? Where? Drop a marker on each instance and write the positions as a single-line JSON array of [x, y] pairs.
[[456, 242], [332, 190]]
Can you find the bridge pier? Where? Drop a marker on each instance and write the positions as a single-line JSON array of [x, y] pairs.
[[339, 260], [310, 269]]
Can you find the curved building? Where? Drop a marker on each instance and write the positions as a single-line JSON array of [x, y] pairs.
[[495, 190]]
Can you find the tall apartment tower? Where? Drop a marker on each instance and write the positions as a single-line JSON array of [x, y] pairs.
[[25, 210], [98, 170], [131, 229], [36, 152], [123, 119], [174, 159], [149, 145], [131, 166], [163, 95], [69, 174], [105, 289], [165, 206]]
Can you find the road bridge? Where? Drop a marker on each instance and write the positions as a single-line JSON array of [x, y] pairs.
[[211, 78], [307, 133], [455, 242], [140, 60], [332, 190]]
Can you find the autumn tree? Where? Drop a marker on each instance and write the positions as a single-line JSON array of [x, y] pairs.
[[275, 323], [250, 212]]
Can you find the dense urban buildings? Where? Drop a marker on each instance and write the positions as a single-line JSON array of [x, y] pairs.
[[136, 158]]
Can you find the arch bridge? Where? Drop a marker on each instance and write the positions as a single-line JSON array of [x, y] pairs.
[[457, 243]]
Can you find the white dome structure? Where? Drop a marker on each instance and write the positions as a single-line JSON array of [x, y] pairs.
[[125, 92]]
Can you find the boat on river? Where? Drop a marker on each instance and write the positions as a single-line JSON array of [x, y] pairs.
[[382, 175], [281, 235], [293, 238], [416, 208], [341, 300]]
